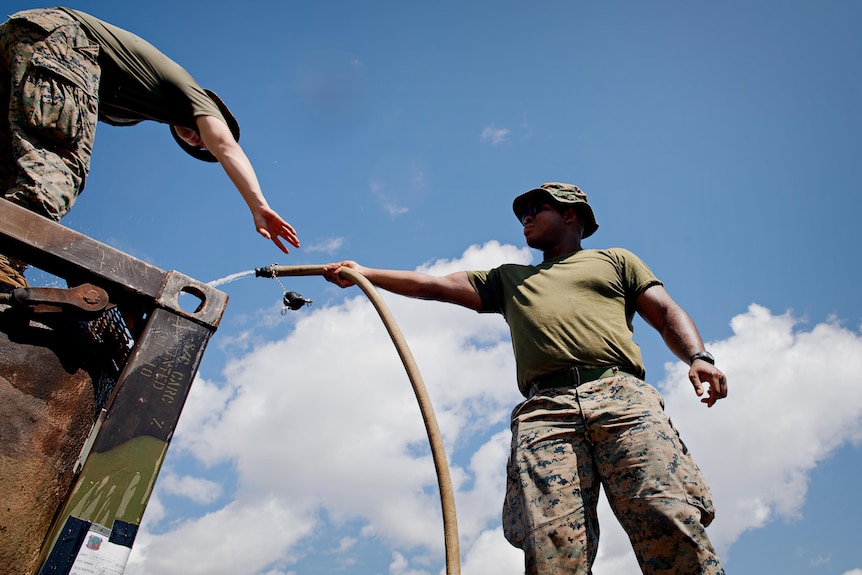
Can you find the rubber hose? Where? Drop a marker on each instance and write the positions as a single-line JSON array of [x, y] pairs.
[[438, 452]]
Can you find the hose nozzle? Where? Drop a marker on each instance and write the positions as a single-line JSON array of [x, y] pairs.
[[265, 272]]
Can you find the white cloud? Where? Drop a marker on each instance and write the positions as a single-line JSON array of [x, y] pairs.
[[793, 399], [400, 566], [495, 135], [345, 544], [328, 245], [195, 488], [243, 537], [491, 553], [325, 420]]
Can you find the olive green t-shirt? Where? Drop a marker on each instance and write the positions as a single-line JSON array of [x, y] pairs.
[[577, 309], [139, 82]]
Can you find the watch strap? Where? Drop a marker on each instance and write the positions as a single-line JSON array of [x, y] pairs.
[[704, 355]]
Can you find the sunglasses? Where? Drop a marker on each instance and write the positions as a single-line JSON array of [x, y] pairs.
[[532, 210]]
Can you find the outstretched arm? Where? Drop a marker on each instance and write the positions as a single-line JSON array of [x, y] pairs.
[[217, 138], [453, 288], [681, 336]]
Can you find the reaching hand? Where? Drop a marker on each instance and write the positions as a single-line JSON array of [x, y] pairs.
[[219, 140], [270, 225]]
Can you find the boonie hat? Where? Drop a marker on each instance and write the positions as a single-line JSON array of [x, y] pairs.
[[202, 153], [559, 193]]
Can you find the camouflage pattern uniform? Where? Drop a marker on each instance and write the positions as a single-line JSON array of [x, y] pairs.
[[611, 431], [50, 80], [49, 83], [590, 422]]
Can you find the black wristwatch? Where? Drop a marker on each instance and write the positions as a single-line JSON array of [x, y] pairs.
[[704, 355]]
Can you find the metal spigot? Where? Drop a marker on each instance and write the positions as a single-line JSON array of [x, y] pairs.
[[265, 271]]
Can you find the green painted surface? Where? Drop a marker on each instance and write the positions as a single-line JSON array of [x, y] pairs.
[[117, 484]]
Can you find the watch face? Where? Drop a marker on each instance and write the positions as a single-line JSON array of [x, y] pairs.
[[704, 355]]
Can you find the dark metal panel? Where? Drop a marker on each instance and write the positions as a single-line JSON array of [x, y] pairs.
[[119, 474], [120, 461]]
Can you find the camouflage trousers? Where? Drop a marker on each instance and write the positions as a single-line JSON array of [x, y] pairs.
[[49, 84], [611, 432]]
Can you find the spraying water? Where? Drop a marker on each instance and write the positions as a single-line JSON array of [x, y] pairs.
[[230, 278]]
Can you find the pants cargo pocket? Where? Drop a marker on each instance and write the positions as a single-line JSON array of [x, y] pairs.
[[59, 94]]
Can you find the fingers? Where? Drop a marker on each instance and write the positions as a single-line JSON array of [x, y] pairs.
[[695, 381], [279, 245], [288, 233], [275, 236], [291, 239], [332, 273], [717, 390], [712, 382], [271, 226]]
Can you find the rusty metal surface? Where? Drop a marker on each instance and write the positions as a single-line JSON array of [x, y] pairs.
[[71, 255], [89, 403], [46, 411], [85, 298]]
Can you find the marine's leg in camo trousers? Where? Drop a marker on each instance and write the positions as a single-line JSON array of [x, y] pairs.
[[49, 83], [615, 429], [552, 487], [53, 84], [653, 484]]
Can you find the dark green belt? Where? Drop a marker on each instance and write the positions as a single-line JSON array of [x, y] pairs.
[[573, 377]]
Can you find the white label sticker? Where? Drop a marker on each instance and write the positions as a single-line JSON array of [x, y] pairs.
[[98, 556]]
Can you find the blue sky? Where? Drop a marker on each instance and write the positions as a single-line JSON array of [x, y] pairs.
[[718, 141]]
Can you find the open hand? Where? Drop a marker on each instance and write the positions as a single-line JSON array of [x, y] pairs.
[[271, 226]]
